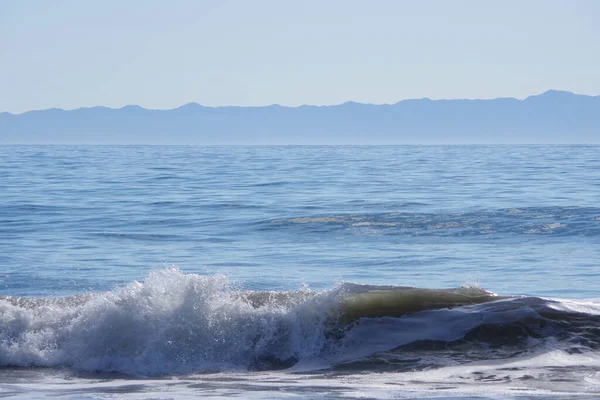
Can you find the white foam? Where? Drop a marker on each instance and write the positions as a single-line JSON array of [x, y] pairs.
[[585, 306], [172, 322]]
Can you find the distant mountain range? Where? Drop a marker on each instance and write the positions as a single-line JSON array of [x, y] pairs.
[[552, 117]]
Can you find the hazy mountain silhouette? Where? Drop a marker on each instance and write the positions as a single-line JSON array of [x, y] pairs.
[[551, 117]]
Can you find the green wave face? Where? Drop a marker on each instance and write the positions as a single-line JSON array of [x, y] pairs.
[[396, 302]]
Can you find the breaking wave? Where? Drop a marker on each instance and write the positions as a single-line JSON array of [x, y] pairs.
[[175, 323]]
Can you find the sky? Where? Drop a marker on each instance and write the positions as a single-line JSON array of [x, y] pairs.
[[162, 54]]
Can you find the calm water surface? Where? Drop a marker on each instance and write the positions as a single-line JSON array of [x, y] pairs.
[[516, 219]]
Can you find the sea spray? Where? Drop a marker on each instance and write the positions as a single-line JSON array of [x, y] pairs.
[[170, 323]]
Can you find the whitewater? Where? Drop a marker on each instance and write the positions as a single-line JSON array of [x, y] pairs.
[[145, 272]]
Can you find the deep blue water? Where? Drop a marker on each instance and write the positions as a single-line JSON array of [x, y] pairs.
[[254, 272], [516, 219]]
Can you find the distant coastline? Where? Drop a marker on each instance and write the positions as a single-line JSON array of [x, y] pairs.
[[553, 117]]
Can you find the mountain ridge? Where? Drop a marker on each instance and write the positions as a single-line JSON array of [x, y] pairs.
[[196, 104], [553, 116]]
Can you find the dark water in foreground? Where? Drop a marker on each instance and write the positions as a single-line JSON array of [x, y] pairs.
[[259, 272]]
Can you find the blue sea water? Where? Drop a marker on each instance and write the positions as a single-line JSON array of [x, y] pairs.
[[221, 249]]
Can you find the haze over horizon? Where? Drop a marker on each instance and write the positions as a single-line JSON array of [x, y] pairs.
[[69, 54]]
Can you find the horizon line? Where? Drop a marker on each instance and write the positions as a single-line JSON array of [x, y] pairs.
[[578, 144]]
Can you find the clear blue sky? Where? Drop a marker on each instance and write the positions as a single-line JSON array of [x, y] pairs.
[[161, 54]]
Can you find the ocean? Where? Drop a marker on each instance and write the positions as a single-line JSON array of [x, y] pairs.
[[158, 272]]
